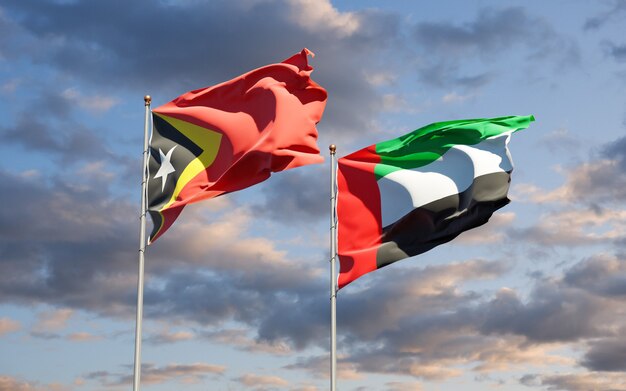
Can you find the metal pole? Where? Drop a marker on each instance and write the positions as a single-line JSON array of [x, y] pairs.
[[333, 275], [142, 247]]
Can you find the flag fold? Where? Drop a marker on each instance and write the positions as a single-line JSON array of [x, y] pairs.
[[403, 197], [230, 136]]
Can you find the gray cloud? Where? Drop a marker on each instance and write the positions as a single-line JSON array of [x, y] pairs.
[[595, 22], [144, 50], [72, 243], [576, 381], [298, 195], [74, 246], [153, 374], [554, 313], [616, 150], [416, 321], [69, 141], [615, 51], [560, 140], [65, 244], [493, 32], [602, 275], [428, 340], [606, 355], [9, 383]]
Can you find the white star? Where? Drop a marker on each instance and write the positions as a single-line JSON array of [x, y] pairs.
[[166, 167]]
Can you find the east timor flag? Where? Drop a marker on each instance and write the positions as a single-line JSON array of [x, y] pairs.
[[230, 136]]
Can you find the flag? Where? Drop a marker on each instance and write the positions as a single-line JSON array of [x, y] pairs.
[[402, 197], [233, 135]]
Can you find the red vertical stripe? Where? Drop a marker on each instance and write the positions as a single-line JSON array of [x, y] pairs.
[[359, 228]]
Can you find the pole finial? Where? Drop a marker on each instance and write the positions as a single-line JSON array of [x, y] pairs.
[[147, 99], [332, 148]]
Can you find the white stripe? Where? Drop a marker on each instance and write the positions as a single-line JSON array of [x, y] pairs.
[[404, 190]]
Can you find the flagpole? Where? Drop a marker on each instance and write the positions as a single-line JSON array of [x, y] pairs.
[[142, 247], [333, 276]]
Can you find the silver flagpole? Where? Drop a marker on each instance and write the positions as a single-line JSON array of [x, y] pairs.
[[142, 247], [333, 275]]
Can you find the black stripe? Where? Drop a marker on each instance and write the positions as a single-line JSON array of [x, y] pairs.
[[157, 221], [165, 137], [443, 220]]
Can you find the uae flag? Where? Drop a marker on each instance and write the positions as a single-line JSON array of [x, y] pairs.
[[233, 135], [402, 197]]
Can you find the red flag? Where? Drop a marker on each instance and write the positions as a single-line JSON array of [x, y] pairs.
[[233, 135]]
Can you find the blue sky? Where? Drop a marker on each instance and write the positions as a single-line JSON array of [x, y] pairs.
[[237, 290]]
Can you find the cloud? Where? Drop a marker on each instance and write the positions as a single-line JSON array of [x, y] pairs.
[[144, 53], [54, 320], [165, 337], [83, 336], [9, 86], [597, 182], [80, 261], [322, 16], [65, 265], [574, 227], [615, 51], [491, 31], [588, 206], [95, 104], [408, 315], [394, 103], [9, 383], [493, 232], [577, 381], [318, 367], [606, 355], [8, 325], [152, 374], [423, 321], [554, 313], [239, 339], [399, 386], [616, 151], [602, 274], [71, 141], [559, 140], [297, 196], [261, 381], [494, 31], [443, 331], [453, 97], [616, 11]]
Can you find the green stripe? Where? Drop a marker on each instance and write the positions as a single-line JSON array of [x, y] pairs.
[[425, 145]]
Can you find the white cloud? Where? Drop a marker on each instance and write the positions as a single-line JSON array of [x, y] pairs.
[[453, 97], [240, 340], [8, 325], [378, 79], [318, 15], [55, 320], [492, 232], [252, 380], [83, 336], [601, 180], [395, 103], [95, 104], [10, 86], [583, 381], [578, 227]]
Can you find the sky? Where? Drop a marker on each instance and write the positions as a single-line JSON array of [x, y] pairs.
[[237, 291]]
